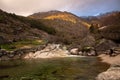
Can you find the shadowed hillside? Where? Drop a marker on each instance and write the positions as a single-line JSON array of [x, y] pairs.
[[13, 27], [16, 31], [108, 25], [111, 25]]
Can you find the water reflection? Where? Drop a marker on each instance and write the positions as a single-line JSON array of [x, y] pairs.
[[52, 69]]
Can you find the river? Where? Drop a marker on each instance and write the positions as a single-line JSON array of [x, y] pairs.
[[71, 68]]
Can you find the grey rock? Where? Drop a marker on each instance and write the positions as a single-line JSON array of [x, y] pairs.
[[74, 51], [113, 73]]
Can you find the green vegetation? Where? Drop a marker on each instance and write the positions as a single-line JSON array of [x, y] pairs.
[[53, 69], [93, 28], [87, 48], [2, 19], [95, 32], [22, 44]]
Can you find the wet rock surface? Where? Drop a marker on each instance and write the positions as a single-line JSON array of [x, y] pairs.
[[74, 51], [113, 73]]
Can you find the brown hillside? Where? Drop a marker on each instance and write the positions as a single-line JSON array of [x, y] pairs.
[[70, 29], [16, 28]]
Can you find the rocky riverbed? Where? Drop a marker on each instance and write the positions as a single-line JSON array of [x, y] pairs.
[[113, 73], [57, 50], [19, 53], [43, 51], [50, 51]]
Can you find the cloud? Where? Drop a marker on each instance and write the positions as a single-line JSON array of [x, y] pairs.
[[79, 7], [31, 6]]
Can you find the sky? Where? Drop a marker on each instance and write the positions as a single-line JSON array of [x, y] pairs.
[[78, 7]]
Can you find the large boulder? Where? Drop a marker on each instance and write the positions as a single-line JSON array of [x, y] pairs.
[[50, 51], [74, 51], [113, 73]]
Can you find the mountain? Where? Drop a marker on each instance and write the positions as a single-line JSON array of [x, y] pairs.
[[58, 27], [109, 24], [110, 18], [66, 16], [70, 29], [53, 26], [106, 19]]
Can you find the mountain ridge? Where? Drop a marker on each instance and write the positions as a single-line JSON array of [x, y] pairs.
[[57, 27]]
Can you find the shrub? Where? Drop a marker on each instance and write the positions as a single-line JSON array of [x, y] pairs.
[[39, 25], [2, 19], [34, 23]]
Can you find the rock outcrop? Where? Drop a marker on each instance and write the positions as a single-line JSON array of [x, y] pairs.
[[74, 51], [51, 50], [113, 73], [18, 54], [43, 51]]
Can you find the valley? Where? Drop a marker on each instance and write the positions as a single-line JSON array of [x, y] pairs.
[[46, 39]]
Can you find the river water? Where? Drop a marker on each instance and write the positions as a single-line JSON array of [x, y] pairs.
[[72, 68]]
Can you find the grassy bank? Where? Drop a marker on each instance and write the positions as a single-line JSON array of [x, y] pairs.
[[22, 44]]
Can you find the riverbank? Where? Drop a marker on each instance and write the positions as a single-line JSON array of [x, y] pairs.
[[110, 60], [113, 73], [45, 51], [42, 51]]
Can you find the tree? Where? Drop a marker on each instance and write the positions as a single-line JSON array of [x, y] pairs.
[[92, 28]]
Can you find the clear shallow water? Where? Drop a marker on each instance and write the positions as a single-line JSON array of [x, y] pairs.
[[52, 69]]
